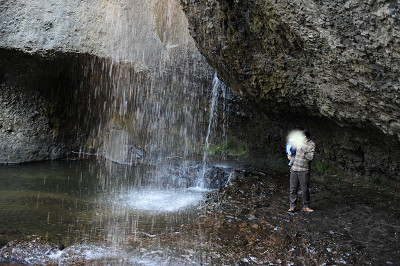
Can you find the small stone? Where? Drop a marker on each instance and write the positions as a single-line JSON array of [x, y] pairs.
[[353, 81], [395, 126], [255, 226], [385, 117]]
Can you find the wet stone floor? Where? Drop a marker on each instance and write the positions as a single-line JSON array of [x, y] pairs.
[[247, 223]]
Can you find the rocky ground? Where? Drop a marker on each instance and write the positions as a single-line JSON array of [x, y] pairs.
[[247, 223]]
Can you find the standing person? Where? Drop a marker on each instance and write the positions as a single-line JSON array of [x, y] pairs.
[[300, 173]]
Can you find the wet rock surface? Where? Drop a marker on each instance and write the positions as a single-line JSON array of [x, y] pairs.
[[329, 66], [129, 64], [33, 250], [44, 112], [25, 130], [189, 174], [338, 60], [247, 223]]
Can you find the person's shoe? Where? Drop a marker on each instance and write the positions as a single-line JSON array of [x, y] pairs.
[[292, 210], [307, 209]]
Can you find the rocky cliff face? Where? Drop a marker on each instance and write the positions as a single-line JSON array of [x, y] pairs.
[[40, 114], [111, 76], [125, 78], [330, 65]]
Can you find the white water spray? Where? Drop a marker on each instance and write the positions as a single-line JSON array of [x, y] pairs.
[[216, 85]]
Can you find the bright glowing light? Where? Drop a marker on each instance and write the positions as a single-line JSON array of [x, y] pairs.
[[296, 138]]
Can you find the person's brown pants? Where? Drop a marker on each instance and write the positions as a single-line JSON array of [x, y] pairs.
[[301, 178]]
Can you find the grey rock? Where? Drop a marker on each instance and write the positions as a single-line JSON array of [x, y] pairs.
[[69, 65], [34, 250], [276, 31], [329, 61]]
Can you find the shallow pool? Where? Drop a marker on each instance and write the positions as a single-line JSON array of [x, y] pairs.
[[99, 210]]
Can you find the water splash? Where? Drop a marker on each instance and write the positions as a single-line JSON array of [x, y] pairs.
[[149, 91], [159, 201], [145, 104]]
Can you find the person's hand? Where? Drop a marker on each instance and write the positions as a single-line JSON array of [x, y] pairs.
[[290, 157]]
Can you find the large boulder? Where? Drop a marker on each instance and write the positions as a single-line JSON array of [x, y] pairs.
[[333, 66]]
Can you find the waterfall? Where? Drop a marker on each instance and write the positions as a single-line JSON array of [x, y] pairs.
[[214, 98], [146, 117], [147, 104]]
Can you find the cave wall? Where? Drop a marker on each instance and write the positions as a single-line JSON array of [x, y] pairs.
[[25, 132], [331, 66], [97, 73], [102, 76], [44, 105]]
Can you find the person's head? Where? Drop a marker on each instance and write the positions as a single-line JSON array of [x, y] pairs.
[[306, 133]]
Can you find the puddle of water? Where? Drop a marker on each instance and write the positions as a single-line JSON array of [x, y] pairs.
[[97, 210]]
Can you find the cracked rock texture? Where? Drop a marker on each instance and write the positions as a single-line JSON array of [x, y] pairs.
[[22, 120], [335, 62]]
